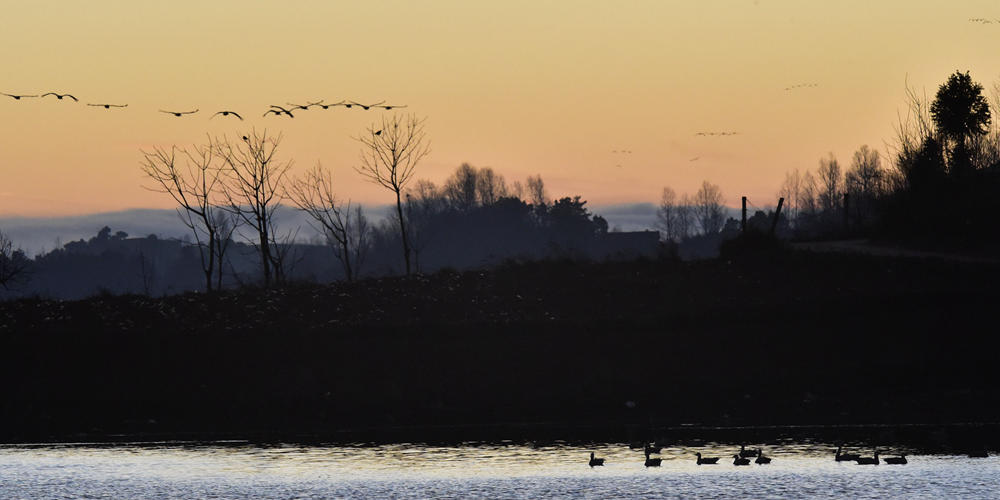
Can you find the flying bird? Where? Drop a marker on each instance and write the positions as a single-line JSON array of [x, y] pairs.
[[378, 133], [327, 106], [179, 113], [17, 97], [109, 106], [227, 113], [695, 158], [278, 110], [300, 106], [366, 107], [60, 96], [390, 106]]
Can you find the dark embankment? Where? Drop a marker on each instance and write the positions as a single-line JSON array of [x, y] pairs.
[[548, 350]]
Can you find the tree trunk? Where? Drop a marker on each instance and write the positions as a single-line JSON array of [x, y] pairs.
[[402, 232]]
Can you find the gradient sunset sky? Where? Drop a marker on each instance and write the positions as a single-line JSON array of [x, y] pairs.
[[524, 87]]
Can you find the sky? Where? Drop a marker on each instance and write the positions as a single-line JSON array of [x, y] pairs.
[[524, 87]]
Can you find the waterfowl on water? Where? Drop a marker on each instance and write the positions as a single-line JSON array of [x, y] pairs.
[[653, 449], [900, 460], [845, 457], [868, 460], [706, 461], [761, 459], [652, 462], [594, 462], [738, 460], [744, 453]]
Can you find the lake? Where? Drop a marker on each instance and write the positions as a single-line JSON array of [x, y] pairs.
[[241, 470]]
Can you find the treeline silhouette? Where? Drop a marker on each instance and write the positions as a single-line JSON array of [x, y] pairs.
[[468, 223]]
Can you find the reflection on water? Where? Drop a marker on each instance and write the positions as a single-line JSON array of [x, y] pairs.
[[230, 470]]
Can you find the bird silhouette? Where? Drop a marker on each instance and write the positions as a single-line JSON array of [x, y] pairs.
[[595, 461], [744, 452], [179, 113], [845, 457], [695, 158], [706, 460], [867, 460], [378, 133], [278, 110], [761, 459], [900, 460], [108, 106], [738, 460], [227, 113], [327, 105], [17, 97], [652, 462], [60, 96], [390, 106], [304, 107], [366, 107]]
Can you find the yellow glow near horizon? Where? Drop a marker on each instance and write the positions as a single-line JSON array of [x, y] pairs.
[[524, 87]]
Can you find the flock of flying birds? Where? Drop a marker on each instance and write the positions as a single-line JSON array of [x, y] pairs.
[[274, 109], [983, 20], [801, 86]]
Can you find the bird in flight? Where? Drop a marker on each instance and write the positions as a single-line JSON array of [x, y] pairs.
[[300, 106], [328, 105], [17, 97], [390, 106], [278, 111], [60, 96], [179, 113], [366, 107], [378, 133], [227, 113], [802, 85], [109, 106], [695, 158]]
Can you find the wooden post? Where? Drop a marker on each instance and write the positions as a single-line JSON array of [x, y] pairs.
[[743, 225], [777, 214]]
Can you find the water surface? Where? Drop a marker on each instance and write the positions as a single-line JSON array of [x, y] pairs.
[[238, 471]]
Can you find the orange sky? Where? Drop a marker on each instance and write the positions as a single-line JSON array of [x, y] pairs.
[[524, 87]]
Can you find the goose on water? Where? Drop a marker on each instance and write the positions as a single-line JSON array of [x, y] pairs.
[[706, 460], [845, 457], [761, 459], [900, 460], [652, 462], [868, 460], [595, 461]]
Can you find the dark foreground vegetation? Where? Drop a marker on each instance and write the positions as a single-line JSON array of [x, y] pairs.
[[553, 349]]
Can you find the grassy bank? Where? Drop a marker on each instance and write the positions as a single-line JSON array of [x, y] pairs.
[[537, 348]]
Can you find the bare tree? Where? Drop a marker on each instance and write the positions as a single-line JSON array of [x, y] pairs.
[[685, 217], [491, 186], [313, 194], [194, 187], [536, 191], [423, 202], [791, 191], [666, 214], [461, 187], [390, 153], [864, 181], [830, 185], [711, 213], [13, 263], [253, 189]]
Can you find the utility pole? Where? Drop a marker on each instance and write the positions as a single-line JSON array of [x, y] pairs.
[[743, 225]]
